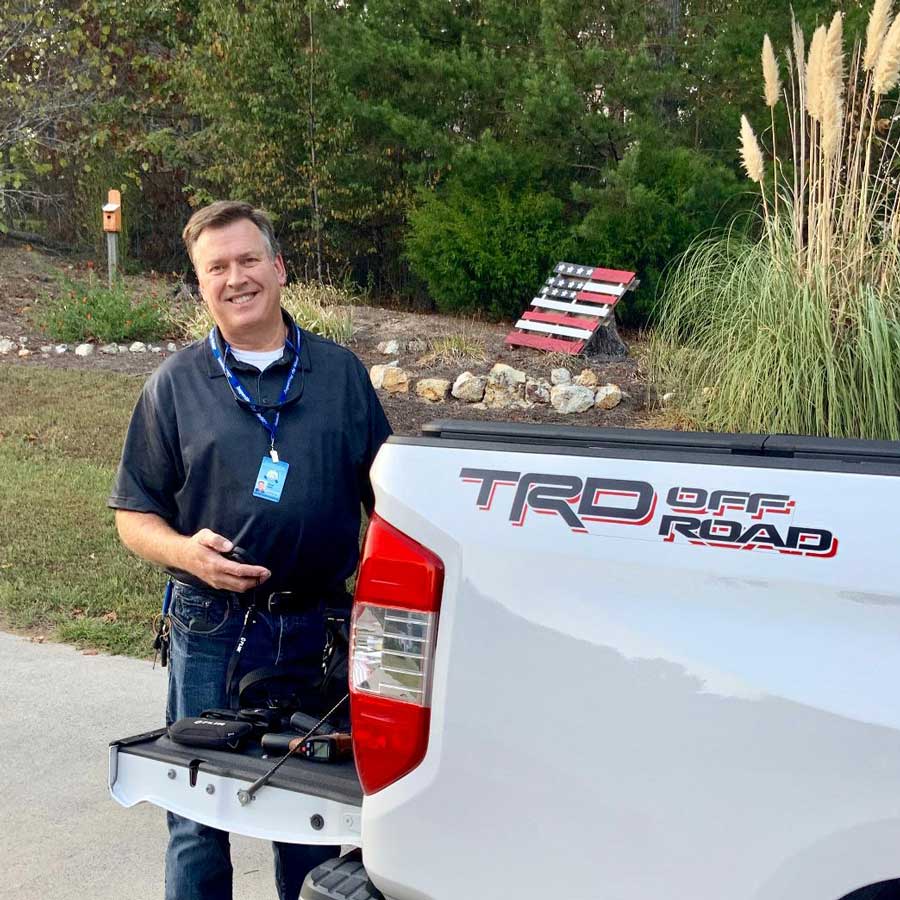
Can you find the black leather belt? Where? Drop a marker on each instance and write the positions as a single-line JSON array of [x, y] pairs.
[[297, 602]]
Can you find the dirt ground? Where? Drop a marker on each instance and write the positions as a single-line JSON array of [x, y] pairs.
[[27, 274]]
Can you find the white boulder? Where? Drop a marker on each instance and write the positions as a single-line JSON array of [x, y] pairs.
[[376, 373], [571, 398], [395, 380], [505, 386], [389, 348], [608, 396], [537, 390], [469, 387], [435, 390]]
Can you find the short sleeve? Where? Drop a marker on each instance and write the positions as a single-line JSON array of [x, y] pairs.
[[150, 469]]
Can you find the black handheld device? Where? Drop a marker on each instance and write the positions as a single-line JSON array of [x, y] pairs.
[[239, 555]]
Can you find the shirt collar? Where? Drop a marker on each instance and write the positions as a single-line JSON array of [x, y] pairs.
[[215, 370]]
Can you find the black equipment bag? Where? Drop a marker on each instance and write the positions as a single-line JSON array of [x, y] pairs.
[[210, 733]]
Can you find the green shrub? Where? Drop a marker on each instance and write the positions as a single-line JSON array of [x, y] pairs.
[[485, 251], [81, 312], [655, 203]]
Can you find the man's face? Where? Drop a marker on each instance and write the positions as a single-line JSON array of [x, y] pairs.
[[240, 283]]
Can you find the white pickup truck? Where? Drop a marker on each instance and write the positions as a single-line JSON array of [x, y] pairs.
[[594, 664]]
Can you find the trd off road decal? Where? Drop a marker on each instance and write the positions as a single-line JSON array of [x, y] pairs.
[[721, 518]]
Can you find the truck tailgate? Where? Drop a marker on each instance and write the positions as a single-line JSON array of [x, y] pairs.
[[305, 803]]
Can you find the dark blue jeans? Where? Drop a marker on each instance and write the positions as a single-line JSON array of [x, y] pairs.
[[204, 632]]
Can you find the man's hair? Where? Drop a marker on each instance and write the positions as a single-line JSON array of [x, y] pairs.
[[224, 212]]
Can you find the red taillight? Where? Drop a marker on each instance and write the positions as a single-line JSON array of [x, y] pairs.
[[392, 638]]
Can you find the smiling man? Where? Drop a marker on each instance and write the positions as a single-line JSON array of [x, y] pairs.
[[260, 436]]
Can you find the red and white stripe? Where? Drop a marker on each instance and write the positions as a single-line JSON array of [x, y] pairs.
[[579, 299]]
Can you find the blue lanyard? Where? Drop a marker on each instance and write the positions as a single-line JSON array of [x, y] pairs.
[[238, 389]]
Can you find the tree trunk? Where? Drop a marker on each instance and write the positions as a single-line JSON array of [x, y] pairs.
[[606, 345]]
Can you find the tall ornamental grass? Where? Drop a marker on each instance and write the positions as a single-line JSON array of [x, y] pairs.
[[797, 330]]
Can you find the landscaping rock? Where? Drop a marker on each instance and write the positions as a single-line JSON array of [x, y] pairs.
[[6, 345], [571, 398], [24, 351], [138, 347], [109, 348], [587, 379], [84, 349], [469, 387], [609, 396], [46, 348], [537, 390], [59, 349], [416, 347], [560, 376], [389, 348], [171, 347], [154, 348], [435, 390], [376, 373], [505, 386], [395, 381]]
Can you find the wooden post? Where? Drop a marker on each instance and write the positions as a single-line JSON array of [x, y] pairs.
[[112, 225]]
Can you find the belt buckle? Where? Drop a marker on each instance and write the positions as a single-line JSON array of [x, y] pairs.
[[279, 600]]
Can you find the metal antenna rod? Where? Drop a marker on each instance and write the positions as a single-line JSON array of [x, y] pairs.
[[245, 795]]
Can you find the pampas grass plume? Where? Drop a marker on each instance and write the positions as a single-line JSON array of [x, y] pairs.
[[799, 48], [879, 21], [814, 73], [832, 121], [751, 155], [832, 87], [887, 68], [833, 55], [770, 72]]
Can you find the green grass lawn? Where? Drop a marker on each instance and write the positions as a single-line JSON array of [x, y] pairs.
[[62, 569]]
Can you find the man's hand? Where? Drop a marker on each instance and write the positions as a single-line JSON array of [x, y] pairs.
[[153, 539], [205, 560]]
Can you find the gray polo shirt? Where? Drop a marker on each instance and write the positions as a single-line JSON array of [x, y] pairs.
[[192, 454]]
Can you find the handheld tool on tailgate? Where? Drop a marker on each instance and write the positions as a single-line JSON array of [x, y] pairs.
[[245, 795]]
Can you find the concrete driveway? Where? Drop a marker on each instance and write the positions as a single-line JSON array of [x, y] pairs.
[[62, 835]]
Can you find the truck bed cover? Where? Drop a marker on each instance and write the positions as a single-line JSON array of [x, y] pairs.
[[777, 450]]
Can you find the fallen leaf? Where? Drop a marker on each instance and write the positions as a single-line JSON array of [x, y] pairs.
[[111, 616]]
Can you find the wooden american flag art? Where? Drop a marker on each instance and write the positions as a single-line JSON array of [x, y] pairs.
[[573, 304]]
